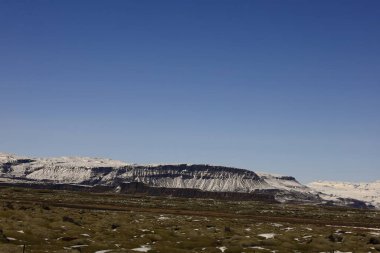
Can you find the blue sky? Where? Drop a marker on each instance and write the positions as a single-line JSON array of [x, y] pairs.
[[291, 87]]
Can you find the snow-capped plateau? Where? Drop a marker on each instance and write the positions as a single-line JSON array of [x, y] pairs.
[[98, 171], [367, 192], [86, 171]]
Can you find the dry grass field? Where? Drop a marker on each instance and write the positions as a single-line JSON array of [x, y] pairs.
[[61, 221]]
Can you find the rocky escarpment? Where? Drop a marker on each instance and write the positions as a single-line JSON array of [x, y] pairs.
[[175, 180], [203, 177], [95, 171]]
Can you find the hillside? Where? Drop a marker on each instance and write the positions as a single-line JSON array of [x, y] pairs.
[[190, 180], [367, 192]]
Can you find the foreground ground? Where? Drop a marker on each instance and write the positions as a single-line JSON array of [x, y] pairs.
[[60, 221]]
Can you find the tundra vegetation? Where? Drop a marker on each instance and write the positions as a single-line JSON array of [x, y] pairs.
[[33, 220]]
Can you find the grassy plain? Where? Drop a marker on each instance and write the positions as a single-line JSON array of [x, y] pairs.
[[34, 220]]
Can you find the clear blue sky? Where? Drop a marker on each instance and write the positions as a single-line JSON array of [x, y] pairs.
[[281, 86]]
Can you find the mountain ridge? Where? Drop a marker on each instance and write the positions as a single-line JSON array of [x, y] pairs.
[[86, 171]]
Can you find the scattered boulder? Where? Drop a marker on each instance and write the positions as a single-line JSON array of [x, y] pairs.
[[335, 238], [45, 207], [25, 208], [374, 240], [71, 220], [9, 205], [227, 229], [68, 239], [176, 228], [115, 226], [3, 238]]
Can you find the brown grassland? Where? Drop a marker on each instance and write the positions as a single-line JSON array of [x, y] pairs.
[[34, 220]]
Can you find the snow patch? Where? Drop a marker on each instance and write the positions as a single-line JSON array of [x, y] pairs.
[[143, 248], [222, 249], [267, 235]]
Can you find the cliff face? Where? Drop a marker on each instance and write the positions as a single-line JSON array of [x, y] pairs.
[[193, 179], [95, 171], [203, 177]]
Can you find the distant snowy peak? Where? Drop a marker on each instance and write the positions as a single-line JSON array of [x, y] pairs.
[[367, 192]]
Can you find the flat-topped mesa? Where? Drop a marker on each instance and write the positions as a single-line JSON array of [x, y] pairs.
[[96, 172], [203, 177], [185, 180]]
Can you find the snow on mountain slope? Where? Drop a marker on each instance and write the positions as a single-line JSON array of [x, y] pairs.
[[90, 172], [62, 161], [367, 192], [71, 170], [97, 171], [283, 182]]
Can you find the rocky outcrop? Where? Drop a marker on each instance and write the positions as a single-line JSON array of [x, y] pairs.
[[141, 188]]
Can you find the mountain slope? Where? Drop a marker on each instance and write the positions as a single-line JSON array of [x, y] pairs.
[[367, 192], [96, 171], [90, 172]]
